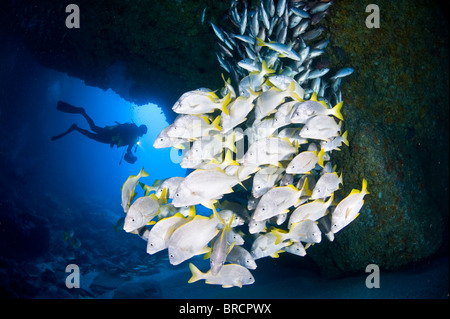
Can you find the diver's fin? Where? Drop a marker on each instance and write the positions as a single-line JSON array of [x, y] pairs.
[[66, 107], [73, 127]]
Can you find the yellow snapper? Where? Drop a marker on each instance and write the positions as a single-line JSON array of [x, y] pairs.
[[163, 140], [283, 50], [312, 210], [327, 184], [200, 101], [192, 126], [264, 246], [239, 255], [320, 127], [265, 179], [284, 112], [128, 189], [220, 249], [305, 162], [296, 248], [334, 143], [231, 275], [192, 238], [269, 150], [305, 231], [268, 101], [171, 184], [143, 210], [293, 135], [238, 111], [283, 81], [254, 80], [308, 109], [348, 209], [160, 233], [276, 201], [203, 187]]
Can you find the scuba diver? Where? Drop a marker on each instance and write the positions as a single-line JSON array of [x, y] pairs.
[[119, 134]]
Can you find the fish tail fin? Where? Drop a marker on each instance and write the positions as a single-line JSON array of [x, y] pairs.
[[230, 142], [215, 124], [196, 273], [143, 173], [260, 42], [364, 187], [313, 97], [228, 160], [345, 138], [224, 103], [336, 110], [291, 87], [145, 188], [265, 69], [340, 179], [278, 233], [305, 189], [320, 156]]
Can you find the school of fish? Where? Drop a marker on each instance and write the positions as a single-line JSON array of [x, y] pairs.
[[259, 150]]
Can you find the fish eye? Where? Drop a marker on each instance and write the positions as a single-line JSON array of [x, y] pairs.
[[161, 139], [318, 190], [263, 209], [177, 194], [171, 255]]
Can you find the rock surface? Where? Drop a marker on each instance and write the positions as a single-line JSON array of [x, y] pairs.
[[396, 113]]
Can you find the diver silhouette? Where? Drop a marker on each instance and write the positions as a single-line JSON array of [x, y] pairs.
[[119, 134]]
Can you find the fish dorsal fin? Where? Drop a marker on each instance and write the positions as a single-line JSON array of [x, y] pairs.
[[324, 104], [179, 215], [305, 187], [313, 97], [320, 157]]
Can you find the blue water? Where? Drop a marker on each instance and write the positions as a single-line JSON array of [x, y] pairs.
[[59, 202]]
